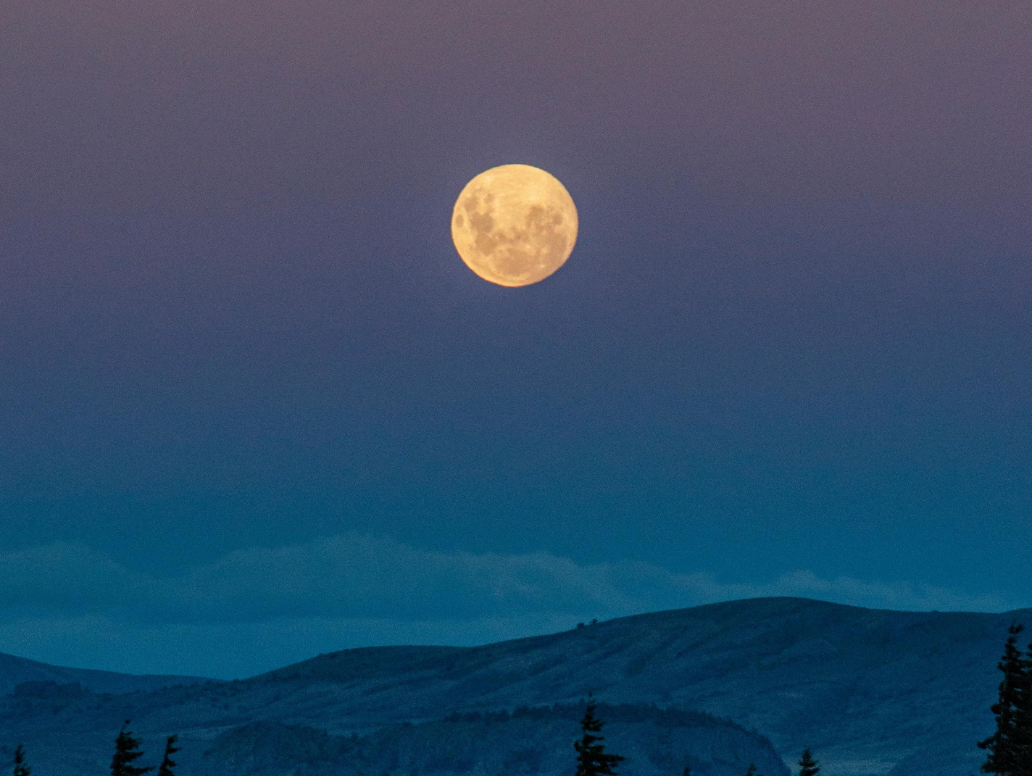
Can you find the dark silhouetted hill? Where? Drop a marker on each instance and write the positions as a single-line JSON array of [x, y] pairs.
[[16, 670], [527, 741], [873, 693]]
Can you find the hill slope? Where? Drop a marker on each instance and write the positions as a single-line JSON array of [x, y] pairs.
[[528, 741], [873, 692], [866, 688], [16, 670]]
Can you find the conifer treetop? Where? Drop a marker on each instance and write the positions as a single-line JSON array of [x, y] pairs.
[[167, 763], [592, 759], [21, 768], [808, 765], [1010, 747], [127, 749]]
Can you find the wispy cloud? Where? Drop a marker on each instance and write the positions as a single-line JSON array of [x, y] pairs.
[[283, 604]]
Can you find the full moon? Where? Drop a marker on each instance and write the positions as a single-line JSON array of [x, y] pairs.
[[514, 225]]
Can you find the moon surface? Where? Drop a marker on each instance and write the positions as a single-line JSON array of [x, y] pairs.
[[514, 225]]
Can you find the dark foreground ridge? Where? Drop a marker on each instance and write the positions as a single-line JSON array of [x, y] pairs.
[[873, 692], [527, 741]]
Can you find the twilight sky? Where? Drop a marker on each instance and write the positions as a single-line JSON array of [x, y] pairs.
[[253, 406]]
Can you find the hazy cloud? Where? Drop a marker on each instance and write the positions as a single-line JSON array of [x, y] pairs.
[[65, 578], [264, 607], [359, 576]]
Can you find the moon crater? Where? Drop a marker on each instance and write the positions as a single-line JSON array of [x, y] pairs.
[[514, 225]]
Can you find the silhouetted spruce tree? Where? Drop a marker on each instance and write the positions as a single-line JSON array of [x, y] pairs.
[[592, 759], [752, 770], [21, 768], [167, 763], [808, 765], [127, 749], [1023, 717], [1010, 747]]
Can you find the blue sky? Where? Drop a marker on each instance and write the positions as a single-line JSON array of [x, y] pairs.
[[251, 397]]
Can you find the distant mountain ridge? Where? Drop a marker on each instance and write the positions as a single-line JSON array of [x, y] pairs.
[[873, 692], [526, 741], [16, 670]]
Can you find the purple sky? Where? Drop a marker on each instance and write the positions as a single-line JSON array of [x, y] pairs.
[[790, 354]]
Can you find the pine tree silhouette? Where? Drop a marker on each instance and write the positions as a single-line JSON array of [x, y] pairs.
[[20, 766], [127, 749], [808, 765], [592, 759], [1023, 718], [167, 763], [1010, 747], [752, 770]]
